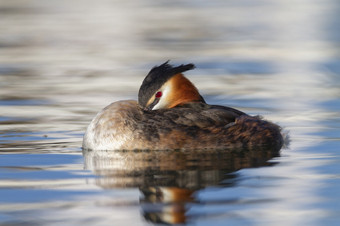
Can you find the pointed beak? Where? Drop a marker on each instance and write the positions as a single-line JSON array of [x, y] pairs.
[[152, 105]]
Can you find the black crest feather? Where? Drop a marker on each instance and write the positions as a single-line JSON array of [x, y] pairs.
[[157, 77]]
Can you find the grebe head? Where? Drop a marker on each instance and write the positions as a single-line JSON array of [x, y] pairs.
[[166, 87]]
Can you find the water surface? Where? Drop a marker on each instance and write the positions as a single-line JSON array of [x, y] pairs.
[[61, 62]]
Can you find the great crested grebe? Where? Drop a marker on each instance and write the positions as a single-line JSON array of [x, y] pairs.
[[171, 114]]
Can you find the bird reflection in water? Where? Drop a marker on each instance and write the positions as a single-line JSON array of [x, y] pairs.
[[169, 180]]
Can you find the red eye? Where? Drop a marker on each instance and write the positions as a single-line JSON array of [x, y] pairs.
[[158, 94]]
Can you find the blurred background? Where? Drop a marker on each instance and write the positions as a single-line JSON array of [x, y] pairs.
[[63, 61]]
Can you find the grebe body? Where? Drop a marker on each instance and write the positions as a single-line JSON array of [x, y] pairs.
[[171, 114]]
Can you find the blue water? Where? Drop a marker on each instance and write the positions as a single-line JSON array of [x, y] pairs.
[[60, 63]]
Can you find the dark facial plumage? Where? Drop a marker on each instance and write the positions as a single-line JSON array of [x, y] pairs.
[[156, 78]]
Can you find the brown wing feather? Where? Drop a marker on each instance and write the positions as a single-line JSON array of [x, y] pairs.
[[191, 126]]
